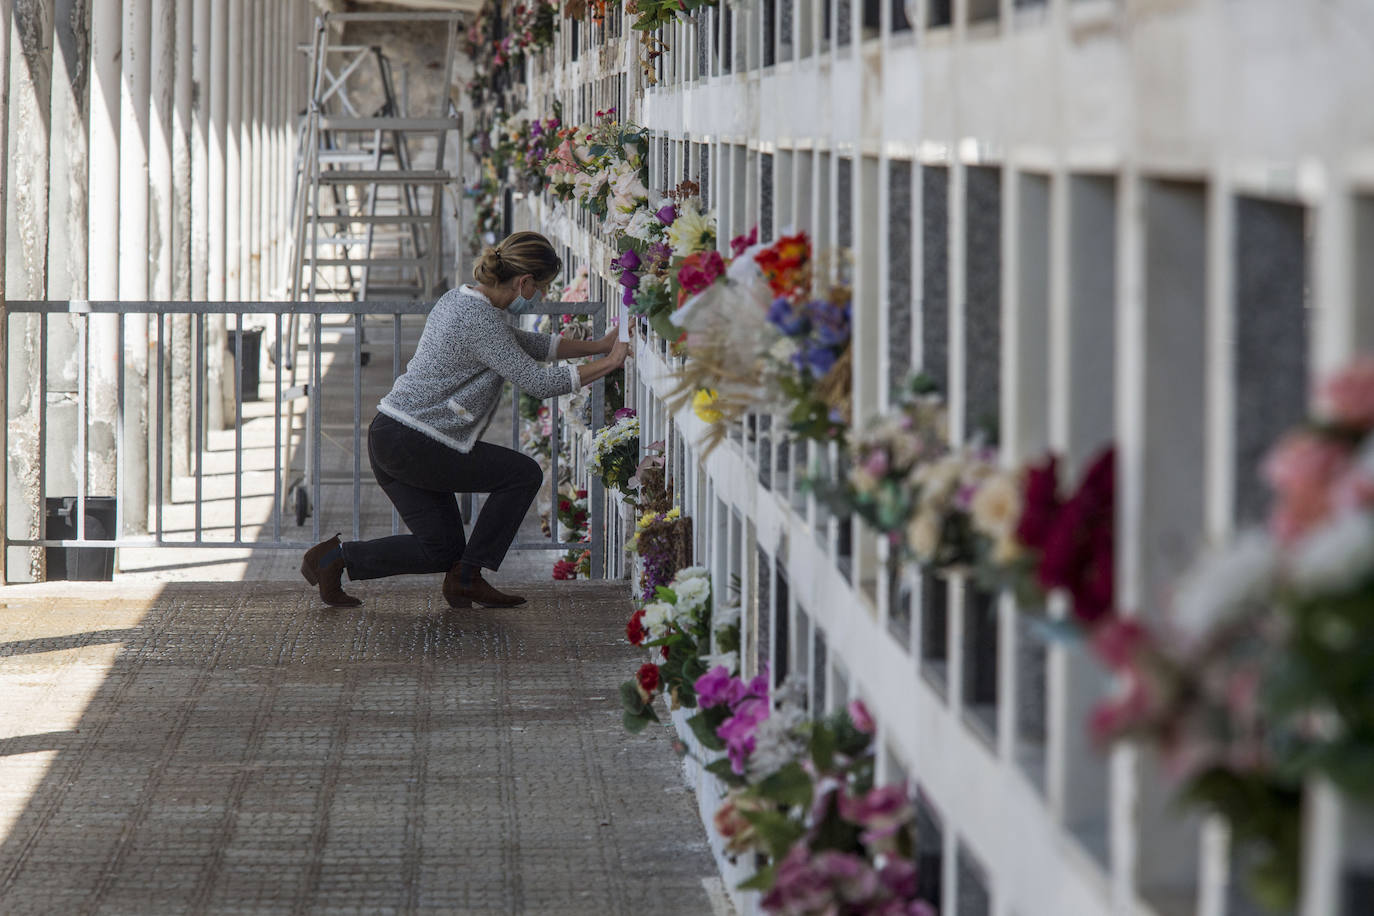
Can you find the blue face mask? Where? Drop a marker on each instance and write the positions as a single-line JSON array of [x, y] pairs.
[[522, 304]]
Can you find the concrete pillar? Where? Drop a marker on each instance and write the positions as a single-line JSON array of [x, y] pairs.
[[258, 41], [5, 13], [161, 256], [26, 249], [233, 161], [181, 429], [134, 254], [67, 239], [218, 224], [102, 249], [201, 89]]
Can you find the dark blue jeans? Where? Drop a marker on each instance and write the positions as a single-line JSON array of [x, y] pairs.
[[420, 476]]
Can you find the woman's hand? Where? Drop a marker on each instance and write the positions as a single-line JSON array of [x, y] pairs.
[[608, 342], [620, 351]]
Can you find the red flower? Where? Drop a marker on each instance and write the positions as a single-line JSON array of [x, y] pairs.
[[565, 569], [665, 653], [564, 505], [647, 677], [635, 631], [700, 270], [1078, 548], [1041, 504]]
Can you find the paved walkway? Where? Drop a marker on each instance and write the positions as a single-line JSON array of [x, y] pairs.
[[173, 744], [184, 748]]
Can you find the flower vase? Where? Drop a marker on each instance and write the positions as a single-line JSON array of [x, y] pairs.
[[710, 792]]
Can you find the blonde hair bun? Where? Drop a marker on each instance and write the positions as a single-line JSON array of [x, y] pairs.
[[516, 255]]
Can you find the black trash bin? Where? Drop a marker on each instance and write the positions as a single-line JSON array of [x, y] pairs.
[[81, 564], [252, 351]]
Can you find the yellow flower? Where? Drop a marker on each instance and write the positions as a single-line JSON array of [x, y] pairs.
[[702, 403], [673, 513]]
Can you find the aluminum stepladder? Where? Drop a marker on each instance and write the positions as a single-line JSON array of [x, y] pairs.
[[350, 239]]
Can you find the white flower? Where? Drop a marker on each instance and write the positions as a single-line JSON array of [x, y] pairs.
[[693, 594], [997, 505], [1337, 557], [938, 480], [691, 231], [727, 616], [729, 659], [641, 225], [776, 743], [691, 572], [1225, 582], [923, 534], [657, 616]]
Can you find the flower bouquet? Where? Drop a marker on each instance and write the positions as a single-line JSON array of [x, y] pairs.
[[615, 451], [677, 627], [574, 563], [812, 356], [803, 794], [572, 514], [663, 542], [883, 461]]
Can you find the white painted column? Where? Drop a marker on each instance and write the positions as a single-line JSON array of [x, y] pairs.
[[232, 75], [181, 431], [254, 39], [201, 42], [223, 225], [161, 192], [102, 247], [133, 255]]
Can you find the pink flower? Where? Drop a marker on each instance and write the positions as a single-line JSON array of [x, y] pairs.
[[738, 731], [717, 687], [741, 243], [876, 463], [1120, 714], [1348, 396], [881, 812], [1117, 641], [1304, 469], [858, 714]]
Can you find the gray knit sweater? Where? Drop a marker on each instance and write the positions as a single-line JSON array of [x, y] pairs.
[[467, 352]]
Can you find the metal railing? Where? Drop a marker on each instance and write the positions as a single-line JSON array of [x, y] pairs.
[[288, 391]]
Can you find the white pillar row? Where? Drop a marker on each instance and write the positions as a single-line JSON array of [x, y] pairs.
[[183, 213], [133, 256], [26, 244]]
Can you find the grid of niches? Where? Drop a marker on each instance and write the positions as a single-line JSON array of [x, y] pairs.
[[1178, 315]]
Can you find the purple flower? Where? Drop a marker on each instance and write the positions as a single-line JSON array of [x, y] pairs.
[[624, 412], [666, 214], [820, 360], [899, 877], [660, 253], [536, 129], [717, 686], [785, 319], [629, 279], [628, 260], [738, 731]]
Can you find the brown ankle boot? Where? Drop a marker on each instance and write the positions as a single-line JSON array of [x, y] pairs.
[[461, 595], [328, 576]]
